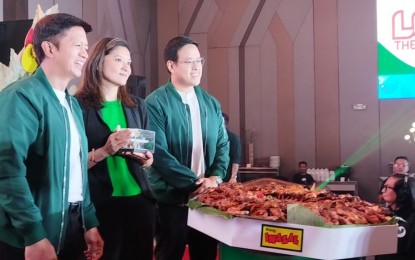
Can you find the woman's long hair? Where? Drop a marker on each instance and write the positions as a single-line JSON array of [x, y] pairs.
[[89, 91]]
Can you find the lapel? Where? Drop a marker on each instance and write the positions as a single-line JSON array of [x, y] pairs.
[[132, 117]]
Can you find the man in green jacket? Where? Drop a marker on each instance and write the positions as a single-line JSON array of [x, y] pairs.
[[192, 150], [45, 207]]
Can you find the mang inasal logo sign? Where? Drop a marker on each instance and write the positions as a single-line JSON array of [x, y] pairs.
[[282, 238], [396, 48]]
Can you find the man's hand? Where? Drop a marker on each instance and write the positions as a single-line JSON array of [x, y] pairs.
[[42, 249], [94, 243], [232, 180], [210, 182]]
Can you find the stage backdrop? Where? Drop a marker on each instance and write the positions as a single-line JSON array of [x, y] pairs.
[[396, 48]]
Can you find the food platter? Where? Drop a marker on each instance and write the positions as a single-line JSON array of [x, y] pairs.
[[270, 199], [314, 236]]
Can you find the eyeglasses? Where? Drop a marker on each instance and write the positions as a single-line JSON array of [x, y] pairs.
[[400, 165], [189, 63]]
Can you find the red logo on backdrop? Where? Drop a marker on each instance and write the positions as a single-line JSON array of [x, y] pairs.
[[401, 32]]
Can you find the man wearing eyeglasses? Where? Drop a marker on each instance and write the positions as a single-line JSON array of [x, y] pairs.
[[191, 154], [400, 165]]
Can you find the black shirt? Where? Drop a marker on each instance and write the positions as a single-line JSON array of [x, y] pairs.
[[406, 236], [304, 179], [234, 153]]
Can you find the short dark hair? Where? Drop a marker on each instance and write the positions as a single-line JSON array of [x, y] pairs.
[[401, 157], [51, 28], [225, 117], [174, 45], [302, 162]]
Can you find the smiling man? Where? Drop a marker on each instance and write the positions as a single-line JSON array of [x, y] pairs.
[[192, 150], [45, 206]]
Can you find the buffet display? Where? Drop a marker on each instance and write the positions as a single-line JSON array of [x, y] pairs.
[[270, 215], [268, 201]]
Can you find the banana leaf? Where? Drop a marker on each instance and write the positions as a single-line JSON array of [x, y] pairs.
[[206, 209]]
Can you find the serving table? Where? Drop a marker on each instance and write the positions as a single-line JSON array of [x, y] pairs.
[[340, 186], [293, 241], [250, 173]]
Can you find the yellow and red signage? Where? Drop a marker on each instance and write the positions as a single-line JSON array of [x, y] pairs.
[[282, 238]]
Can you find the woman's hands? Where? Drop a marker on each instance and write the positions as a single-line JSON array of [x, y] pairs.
[[116, 140], [146, 159]]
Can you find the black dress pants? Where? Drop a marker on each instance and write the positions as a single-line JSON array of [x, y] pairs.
[[74, 244], [172, 235], [8, 252], [127, 226]]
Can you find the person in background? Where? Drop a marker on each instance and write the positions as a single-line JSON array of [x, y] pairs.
[[119, 184], [400, 165], [399, 193], [191, 154], [234, 153], [302, 177], [45, 206]]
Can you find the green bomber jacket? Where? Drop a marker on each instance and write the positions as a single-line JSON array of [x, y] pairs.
[[171, 177]]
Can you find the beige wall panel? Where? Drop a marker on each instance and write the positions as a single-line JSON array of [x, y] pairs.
[[92, 18], [292, 14], [73, 7], [205, 17], [121, 20], [327, 89], [218, 75], [244, 21], [167, 28], [222, 4], [216, 22], [267, 87], [261, 25], [305, 128], [186, 10], [360, 143], [45, 4], [70, 7], [110, 20], [232, 105], [136, 21], [229, 22], [149, 63], [253, 95], [285, 94]]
